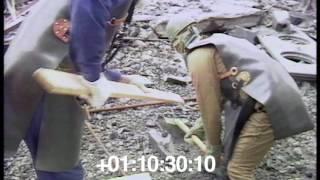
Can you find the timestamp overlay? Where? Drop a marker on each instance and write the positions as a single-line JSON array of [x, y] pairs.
[[153, 163]]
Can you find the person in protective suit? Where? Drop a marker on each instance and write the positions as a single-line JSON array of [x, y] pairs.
[[51, 124], [260, 100]]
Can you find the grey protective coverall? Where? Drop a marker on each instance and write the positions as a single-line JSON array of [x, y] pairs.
[[261, 102], [50, 124]]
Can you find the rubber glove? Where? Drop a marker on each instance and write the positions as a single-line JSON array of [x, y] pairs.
[[137, 80], [196, 130], [100, 91]]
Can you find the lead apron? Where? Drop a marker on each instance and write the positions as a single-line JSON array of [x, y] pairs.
[[235, 119], [270, 84], [35, 46]]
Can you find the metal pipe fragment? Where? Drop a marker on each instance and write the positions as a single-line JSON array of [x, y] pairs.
[[134, 106]]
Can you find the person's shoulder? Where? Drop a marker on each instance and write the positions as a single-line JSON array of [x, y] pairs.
[[201, 51]]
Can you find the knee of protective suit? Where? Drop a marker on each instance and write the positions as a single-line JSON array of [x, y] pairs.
[[238, 171], [77, 173]]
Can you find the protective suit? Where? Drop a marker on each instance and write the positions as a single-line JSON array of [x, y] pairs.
[[260, 100], [51, 125]]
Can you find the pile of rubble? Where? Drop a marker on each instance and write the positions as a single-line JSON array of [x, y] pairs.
[[284, 29], [14, 13], [283, 34]]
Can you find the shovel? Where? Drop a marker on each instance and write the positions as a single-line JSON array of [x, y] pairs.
[[63, 83], [195, 139], [141, 176]]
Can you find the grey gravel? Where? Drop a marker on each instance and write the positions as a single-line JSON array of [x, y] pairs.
[[125, 132]]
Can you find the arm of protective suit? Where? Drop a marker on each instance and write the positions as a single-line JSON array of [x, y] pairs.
[[112, 75], [204, 69], [91, 34]]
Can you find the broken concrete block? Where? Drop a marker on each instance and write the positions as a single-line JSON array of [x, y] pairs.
[[210, 24], [226, 16], [308, 6], [134, 32], [139, 43], [177, 80], [280, 20], [162, 142], [295, 51], [222, 16], [143, 18], [159, 26], [244, 33], [174, 131], [151, 123], [297, 18]]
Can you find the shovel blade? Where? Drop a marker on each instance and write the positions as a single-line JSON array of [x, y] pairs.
[[141, 176]]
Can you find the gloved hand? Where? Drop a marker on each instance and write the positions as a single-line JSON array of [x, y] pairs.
[[196, 130], [136, 80], [215, 151], [100, 91], [220, 173]]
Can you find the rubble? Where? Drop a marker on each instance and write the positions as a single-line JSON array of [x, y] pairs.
[[281, 20], [151, 123], [222, 16], [297, 18], [143, 18], [226, 16], [296, 51], [162, 142], [177, 80], [244, 33], [23, 7], [132, 139], [139, 43]]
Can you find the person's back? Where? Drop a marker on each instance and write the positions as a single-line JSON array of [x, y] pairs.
[[270, 83], [34, 46], [51, 125], [262, 101]]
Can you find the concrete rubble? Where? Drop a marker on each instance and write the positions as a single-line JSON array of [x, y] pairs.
[[281, 20], [244, 33], [134, 132], [226, 16], [221, 16], [162, 142], [14, 18], [177, 80], [296, 51]]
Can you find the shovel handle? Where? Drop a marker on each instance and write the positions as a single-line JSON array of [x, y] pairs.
[[194, 138], [199, 143]]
